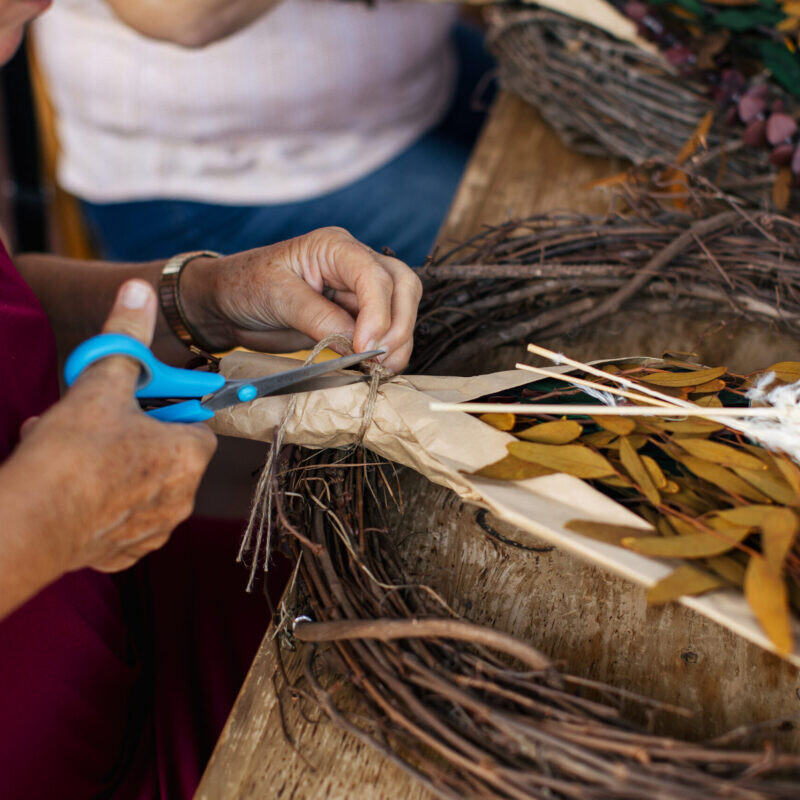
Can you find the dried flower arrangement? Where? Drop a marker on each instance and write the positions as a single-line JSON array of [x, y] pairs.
[[710, 493], [424, 687], [734, 62]]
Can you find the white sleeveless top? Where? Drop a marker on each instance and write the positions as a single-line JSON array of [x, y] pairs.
[[312, 96]]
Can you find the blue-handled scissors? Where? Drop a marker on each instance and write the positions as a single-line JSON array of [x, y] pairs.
[[159, 380]]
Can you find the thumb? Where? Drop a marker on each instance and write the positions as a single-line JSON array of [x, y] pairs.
[[27, 427], [134, 314]]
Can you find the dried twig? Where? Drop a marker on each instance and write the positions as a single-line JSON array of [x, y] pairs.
[[432, 698]]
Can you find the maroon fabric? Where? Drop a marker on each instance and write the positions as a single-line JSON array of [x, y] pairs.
[[27, 355], [115, 686]]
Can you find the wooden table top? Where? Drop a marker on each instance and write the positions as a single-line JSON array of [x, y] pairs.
[[519, 167]]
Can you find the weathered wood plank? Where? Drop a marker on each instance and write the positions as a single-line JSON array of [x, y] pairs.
[[253, 758], [520, 167]]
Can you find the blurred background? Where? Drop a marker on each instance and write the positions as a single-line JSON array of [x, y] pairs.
[[22, 194]]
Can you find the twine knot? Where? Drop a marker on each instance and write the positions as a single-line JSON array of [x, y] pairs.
[[261, 508]]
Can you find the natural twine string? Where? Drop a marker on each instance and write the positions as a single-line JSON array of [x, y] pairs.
[[260, 521]]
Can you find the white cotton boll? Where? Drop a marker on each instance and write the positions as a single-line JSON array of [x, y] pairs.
[[782, 434], [758, 394], [604, 397]]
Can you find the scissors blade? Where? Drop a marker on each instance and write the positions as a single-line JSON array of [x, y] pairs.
[[293, 380], [324, 382]]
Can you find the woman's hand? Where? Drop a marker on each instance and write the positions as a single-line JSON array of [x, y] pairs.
[[95, 482], [321, 283]]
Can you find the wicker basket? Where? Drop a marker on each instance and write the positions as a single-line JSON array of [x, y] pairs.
[[607, 97]]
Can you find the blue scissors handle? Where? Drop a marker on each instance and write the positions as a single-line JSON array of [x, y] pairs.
[[157, 379]]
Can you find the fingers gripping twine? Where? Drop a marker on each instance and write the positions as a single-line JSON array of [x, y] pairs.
[[260, 520]]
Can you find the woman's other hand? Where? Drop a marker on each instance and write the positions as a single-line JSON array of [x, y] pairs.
[[321, 283], [95, 482]]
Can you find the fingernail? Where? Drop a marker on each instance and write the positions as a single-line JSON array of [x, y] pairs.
[[135, 294]]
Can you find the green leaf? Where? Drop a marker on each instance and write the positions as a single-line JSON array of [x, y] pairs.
[[693, 6], [784, 66], [746, 19]]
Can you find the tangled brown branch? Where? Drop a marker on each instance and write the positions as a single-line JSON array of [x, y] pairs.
[[469, 711], [553, 273]]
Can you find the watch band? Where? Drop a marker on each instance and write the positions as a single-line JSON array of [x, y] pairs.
[[169, 297]]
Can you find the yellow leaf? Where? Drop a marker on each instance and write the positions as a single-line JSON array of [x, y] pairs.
[[719, 453], [638, 471], [788, 25], [782, 188], [681, 379], [636, 441], [664, 527], [692, 426], [778, 533], [503, 422], [603, 532], [766, 594], [656, 475], [617, 482], [711, 386], [622, 426], [751, 516], [685, 580], [687, 499], [709, 401], [513, 469], [601, 439], [787, 371], [723, 478], [730, 569], [770, 484], [572, 459], [696, 139], [675, 356], [684, 528], [671, 488], [790, 472], [699, 545], [559, 432]]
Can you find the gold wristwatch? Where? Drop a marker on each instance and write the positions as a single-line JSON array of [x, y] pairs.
[[169, 296]]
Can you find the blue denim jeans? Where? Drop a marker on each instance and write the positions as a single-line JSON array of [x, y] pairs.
[[400, 206]]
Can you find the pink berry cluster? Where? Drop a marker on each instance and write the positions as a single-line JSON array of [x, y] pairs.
[[766, 124], [759, 107]]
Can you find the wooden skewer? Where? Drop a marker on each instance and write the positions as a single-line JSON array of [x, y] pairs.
[[558, 358], [610, 411], [591, 384]]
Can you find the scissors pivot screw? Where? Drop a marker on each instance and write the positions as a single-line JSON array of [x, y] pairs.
[[247, 393]]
